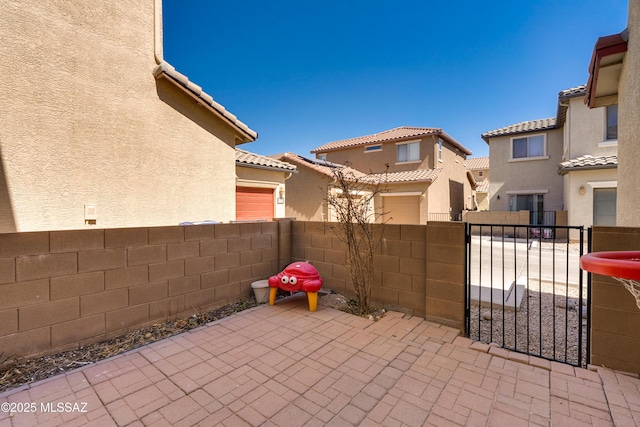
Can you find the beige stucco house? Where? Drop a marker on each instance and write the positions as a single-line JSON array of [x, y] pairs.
[[615, 79], [590, 160], [98, 130], [260, 186], [479, 169], [426, 178], [524, 161]]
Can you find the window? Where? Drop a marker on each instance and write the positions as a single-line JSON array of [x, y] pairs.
[[530, 146], [409, 152], [480, 173], [439, 150], [534, 203], [370, 148], [612, 122], [322, 157]]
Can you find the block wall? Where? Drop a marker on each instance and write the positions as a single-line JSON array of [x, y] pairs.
[[59, 289], [615, 317]]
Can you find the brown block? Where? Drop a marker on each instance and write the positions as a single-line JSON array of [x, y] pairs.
[[183, 250], [416, 233], [250, 257], [77, 330], [7, 270], [447, 311], [76, 240], [26, 343], [24, 293], [324, 241], [399, 281], [270, 254], [148, 292], [385, 295], [184, 285], [239, 244], [224, 261], [250, 228], [314, 254], [416, 267], [103, 302], [127, 317], [106, 259], [49, 313], [8, 321], [227, 293], [77, 284], [199, 232], [20, 244], [418, 250], [160, 310], [395, 248], [226, 231], [159, 235], [199, 265], [239, 274], [387, 263], [125, 237], [297, 253], [451, 233], [213, 247], [271, 227], [262, 270], [447, 254], [146, 255], [124, 277], [45, 266], [319, 227], [216, 278], [300, 239], [201, 298], [445, 291], [411, 300], [617, 352], [166, 270]]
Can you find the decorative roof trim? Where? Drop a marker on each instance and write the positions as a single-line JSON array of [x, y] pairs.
[[614, 44], [522, 127], [588, 162], [256, 161]]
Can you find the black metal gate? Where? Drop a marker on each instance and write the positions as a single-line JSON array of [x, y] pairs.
[[526, 292]]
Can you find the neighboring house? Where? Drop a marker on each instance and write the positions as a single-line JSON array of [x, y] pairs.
[[614, 79], [98, 130], [425, 180], [524, 162], [590, 159], [260, 186], [479, 168]]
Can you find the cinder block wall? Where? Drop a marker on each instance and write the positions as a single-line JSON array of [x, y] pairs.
[[63, 288], [615, 317], [419, 269]]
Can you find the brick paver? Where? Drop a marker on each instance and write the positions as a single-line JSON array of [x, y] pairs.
[[282, 365]]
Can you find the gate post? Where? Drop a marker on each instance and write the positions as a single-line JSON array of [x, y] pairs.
[[445, 275]]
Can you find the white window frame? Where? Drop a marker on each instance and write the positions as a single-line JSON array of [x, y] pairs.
[[607, 139], [440, 143], [408, 161], [544, 156], [322, 156]]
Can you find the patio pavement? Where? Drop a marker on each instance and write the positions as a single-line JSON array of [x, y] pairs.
[[285, 366]]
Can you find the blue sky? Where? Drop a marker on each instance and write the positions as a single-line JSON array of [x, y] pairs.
[[304, 73]]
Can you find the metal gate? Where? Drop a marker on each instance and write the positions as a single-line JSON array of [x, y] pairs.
[[526, 292]]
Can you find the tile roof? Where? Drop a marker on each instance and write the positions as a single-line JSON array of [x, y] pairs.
[[477, 163], [166, 69], [245, 158], [483, 186], [588, 162], [396, 134], [327, 168], [573, 92], [522, 127]]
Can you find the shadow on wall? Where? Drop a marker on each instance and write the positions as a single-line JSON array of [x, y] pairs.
[[7, 220], [456, 195]]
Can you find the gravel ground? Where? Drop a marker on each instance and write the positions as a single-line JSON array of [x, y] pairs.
[[531, 328]]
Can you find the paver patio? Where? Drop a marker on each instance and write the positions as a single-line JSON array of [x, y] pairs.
[[282, 365]]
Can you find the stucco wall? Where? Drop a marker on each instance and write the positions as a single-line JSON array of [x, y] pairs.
[[85, 123], [629, 119], [580, 206], [526, 175], [585, 131], [305, 194]]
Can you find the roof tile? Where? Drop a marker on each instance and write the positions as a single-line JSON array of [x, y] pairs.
[[477, 163], [587, 162], [522, 127], [255, 160]]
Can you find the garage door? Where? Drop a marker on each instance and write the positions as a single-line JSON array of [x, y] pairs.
[[402, 209], [254, 204]]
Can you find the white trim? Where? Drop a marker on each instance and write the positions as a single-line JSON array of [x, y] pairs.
[[408, 142], [526, 159], [609, 143], [524, 192], [256, 184], [378, 147], [408, 163], [402, 193], [603, 184]]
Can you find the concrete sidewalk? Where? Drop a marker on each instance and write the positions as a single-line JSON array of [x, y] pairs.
[[285, 366]]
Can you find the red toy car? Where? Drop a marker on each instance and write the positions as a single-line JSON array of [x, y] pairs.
[[298, 276]]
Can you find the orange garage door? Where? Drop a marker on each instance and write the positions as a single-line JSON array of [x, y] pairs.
[[254, 203]]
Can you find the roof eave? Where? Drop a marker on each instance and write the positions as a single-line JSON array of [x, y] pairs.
[[614, 48], [564, 171], [263, 167], [244, 134]]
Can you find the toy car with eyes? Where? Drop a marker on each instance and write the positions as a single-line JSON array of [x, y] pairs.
[[297, 276]]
